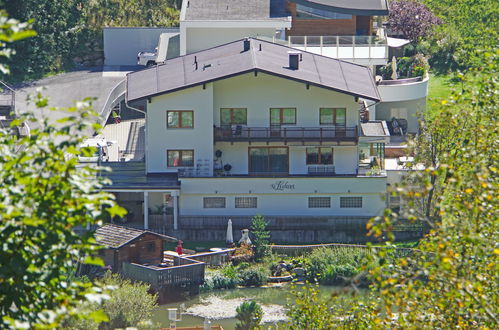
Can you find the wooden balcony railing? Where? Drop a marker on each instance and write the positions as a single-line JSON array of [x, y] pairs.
[[286, 134], [185, 272]]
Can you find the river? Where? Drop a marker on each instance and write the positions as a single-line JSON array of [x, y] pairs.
[[220, 306]]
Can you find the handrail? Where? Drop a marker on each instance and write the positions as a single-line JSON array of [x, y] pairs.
[[400, 81], [117, 92], [330, 133]]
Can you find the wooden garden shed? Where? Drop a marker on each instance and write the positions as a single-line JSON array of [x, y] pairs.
[[130, 245]]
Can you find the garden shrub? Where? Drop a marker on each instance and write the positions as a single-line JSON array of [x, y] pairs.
[[219, 281], [333, 265], [253, 277]]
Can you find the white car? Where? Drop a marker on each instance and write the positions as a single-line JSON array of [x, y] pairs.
[[147, 59], [159, 55]]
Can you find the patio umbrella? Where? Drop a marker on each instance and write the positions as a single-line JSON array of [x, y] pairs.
[[230, 238], [394, 68]]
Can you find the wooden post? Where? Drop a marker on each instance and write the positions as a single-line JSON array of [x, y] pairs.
[[175, 211], [146, 210]]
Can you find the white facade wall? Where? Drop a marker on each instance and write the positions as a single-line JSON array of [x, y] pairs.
[[159, 139], [345, 158], [287, 202], [410, 110], [259, 94], [122, 44]]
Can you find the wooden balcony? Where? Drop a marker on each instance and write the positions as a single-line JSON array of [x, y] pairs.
[[286, 134], [184, 272]]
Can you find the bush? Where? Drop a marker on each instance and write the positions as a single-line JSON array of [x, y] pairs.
[[333, 265], [219, 281], [129, 305], [253, 277], [250, 314]]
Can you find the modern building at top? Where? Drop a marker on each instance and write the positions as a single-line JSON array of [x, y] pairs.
[[339, 29]]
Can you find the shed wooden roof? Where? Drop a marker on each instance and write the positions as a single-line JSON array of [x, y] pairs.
[[115, 237]]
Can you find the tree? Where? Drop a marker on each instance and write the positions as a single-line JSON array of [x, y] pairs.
[[452, 280], [45, 195], [57, 23], [249, 314], [412, 19], [11, 30], [261, 241], [129, 305]]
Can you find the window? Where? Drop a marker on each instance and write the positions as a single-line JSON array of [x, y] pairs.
[[282, 116], [246, 203], [306, 12], [319, 156], [179, 158], [319, 202], [214, 202], [333, 116], [180, 119], [233, 116], [350, 202], [268, 160]]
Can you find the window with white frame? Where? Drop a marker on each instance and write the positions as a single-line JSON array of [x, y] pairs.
[[246, 202], [319, 202], [214, 202], [350, 202]]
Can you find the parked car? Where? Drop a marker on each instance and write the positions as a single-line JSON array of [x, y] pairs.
[[149, 59]]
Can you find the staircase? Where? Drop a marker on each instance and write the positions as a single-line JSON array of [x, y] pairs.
[[7, 105]]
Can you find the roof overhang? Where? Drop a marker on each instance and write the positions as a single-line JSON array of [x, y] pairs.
[[270, 23], [352, 7], [256, 71]]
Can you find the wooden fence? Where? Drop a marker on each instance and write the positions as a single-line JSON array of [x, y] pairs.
[[216, 258], [186, 272]]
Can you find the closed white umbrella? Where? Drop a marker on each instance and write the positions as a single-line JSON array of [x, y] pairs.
[[230, 237], [394, 68]]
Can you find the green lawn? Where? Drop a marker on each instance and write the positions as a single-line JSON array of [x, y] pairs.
[[440, 87]]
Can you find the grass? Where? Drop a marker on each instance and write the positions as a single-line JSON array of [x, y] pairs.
[[440, 87]]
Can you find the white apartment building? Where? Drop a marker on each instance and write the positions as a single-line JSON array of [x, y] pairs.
[[252, 127], [267, 125]]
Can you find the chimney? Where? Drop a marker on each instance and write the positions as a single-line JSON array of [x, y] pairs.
[[294, 59], [246, 45]]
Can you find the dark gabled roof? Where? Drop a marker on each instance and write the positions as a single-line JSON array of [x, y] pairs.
[[234, 10], [352, 7], [114, 236], [231, 60]]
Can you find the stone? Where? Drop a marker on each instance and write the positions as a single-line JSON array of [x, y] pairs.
[[298, 272]]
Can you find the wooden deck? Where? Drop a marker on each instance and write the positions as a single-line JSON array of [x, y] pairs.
[[185, 272]]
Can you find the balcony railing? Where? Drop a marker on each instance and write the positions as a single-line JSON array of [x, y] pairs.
[[286, 134], [352, 48]]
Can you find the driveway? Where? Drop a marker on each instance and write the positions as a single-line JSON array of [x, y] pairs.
[[64, 89]]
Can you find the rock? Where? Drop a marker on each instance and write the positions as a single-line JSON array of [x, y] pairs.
[[99, 61], [298, 272]]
